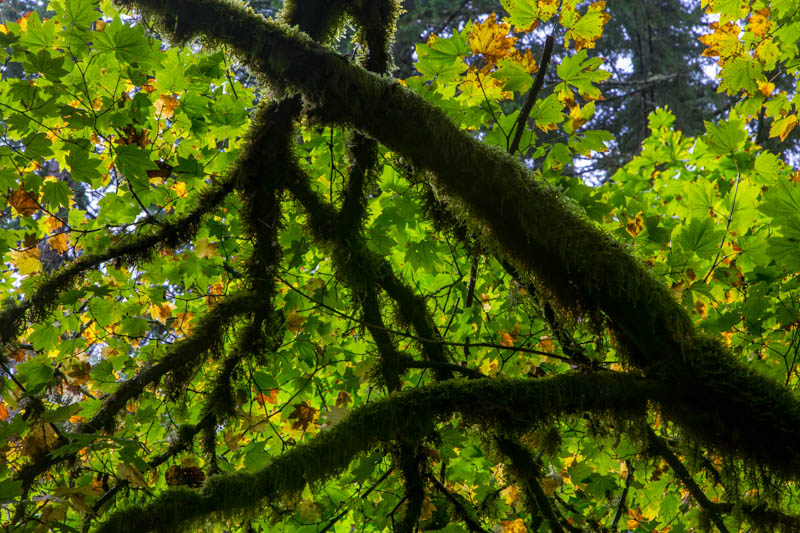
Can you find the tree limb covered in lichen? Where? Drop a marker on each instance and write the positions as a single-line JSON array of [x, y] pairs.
[[511, 405]]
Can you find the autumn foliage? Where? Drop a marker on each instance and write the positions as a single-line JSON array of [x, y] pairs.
[[253, 283]]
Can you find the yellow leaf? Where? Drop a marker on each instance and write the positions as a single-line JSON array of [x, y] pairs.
[[526, 59], [183, 322], [179, 188], [513, 526], [132, 475], [100, 25], [724, 42], [52, 223], [635, 225], [766, 88], [586, 29], [294, 322], [490, 38], [580, 115], [511, 495], [23, 22], [759, 22], [205, 249], [783, 127], [90, 333], [27, 262], [767, 52], [548, 8], [476, 88], [162, 312]]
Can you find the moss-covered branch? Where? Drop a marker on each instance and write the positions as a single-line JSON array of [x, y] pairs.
[[525, 221], [322, 219], [513, 405], [524, 466]]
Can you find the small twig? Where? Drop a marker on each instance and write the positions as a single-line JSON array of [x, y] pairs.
[[362, 496]]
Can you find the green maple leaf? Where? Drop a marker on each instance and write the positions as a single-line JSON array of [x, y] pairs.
[[134, 162], [701, 237], [56, 193], [84, 167]]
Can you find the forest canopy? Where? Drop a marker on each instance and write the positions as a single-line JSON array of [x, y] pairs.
[[252, 281]]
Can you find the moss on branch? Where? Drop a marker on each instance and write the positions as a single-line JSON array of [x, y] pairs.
[[513, 405]]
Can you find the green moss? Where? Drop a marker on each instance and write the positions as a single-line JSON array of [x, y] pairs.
[[510, 405]]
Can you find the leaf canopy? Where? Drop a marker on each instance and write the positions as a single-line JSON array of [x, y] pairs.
[[332, 299]]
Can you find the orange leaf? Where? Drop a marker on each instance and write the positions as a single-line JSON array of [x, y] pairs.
[[271, 398], [546, 344], [506, 339], [23, 202], [166, 106], [162, 312], [4, 414], [59, 242]]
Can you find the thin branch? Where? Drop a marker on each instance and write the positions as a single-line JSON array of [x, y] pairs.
[[533, 94], [622, 506], [529, 472], [466, 514], [659, 447]]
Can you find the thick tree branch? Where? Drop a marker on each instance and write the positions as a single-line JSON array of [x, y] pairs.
[[408, 415]]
